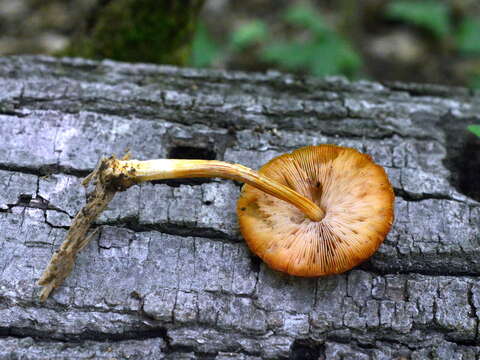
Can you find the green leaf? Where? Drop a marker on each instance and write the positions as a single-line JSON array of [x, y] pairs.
[[249, 34], [321, 52], [327, 56], [474, 129], [475, 82], [468, 36], [304, 15], [290, 55], [431, 15], [204, 48], [334, 56], [325, 61]]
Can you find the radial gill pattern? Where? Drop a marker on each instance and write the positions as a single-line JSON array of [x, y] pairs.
[[353, 191]]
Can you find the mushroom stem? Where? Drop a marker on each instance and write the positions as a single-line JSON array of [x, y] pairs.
[[113, 175], [138, 171]]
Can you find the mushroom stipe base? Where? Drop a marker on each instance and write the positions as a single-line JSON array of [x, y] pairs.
[[317, 211]]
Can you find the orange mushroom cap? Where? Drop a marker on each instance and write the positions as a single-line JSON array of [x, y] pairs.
[[355, 194]]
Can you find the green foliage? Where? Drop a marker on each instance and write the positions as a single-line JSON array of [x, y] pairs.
[[431, 15], [474, 129], [436, 17], [475, 82], [468, 36], [468, 43], [327, 57], [303, 15], [248, 34], [318, 51], [204, 48], [323, 52]]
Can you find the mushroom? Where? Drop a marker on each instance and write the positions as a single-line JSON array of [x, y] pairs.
[[353, 192], [319, 210]]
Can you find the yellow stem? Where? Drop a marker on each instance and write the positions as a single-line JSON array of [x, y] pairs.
[[160, 169]]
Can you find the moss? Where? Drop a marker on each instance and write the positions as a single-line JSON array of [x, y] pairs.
[[139, 30]]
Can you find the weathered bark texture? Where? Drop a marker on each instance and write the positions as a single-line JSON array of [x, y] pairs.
[[169, 276]]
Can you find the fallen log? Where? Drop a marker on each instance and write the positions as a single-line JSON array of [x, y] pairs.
[[168, 274]]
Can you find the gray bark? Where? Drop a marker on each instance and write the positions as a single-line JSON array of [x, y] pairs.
[[169, 276]]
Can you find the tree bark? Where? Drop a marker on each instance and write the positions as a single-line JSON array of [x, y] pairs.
[[169, 275]]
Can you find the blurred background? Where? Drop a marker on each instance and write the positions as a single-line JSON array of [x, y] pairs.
[[422, 41], [432, 41]]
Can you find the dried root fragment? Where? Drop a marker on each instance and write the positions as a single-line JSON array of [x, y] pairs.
[[108, 179]]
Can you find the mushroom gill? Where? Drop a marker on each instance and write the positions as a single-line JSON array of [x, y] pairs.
[[354, 193]]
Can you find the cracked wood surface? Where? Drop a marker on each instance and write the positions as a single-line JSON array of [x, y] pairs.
[[169, 275]]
